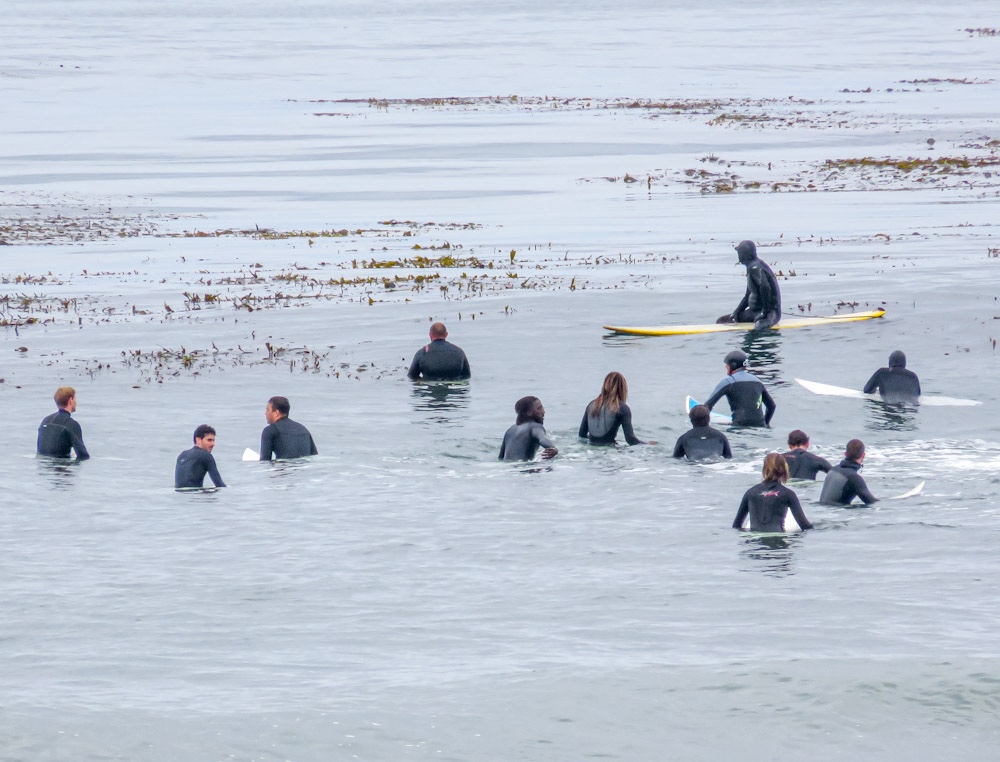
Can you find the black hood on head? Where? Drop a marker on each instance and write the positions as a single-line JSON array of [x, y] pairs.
[[747, 251], [897, 360]]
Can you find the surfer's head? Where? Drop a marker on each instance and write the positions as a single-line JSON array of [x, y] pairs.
[[735, 360], [529, 409], [897, 359], [798, 438], [700, 415], [855, 450], [746, 251], [775, 468]]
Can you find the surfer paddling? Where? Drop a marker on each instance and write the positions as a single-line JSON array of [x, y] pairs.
[[844, 483], [768, 503], [761, 304], [895, 383], [750, 402]]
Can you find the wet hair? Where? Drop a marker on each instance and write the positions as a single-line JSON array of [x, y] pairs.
[[897, 359], [775, 468], [203, 431], [855, 449], [613, 393], [700, 415], [523, 408], [438, 331], [63, 395], [798, 438], [280, 404]]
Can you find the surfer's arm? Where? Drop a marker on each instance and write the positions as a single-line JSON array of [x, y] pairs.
[[796, 508], [213, 472], [626, 418], [727, 451], [717, 393], [769, 406], [76, 437], [741, 514], [267, 442], [872, 386], [863, 492], [414, 371], [584, 424]]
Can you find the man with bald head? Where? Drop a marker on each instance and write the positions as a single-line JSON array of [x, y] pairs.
[[440, 360]]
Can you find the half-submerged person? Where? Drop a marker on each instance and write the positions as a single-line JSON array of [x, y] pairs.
[[749, 401], [844, 483], [803, 464], [896, 384], [701, 441], [769, 502], [194, 464], [522, 440], [58, 433], [608, 412], [761, 304], [283, 437], [440, 360]]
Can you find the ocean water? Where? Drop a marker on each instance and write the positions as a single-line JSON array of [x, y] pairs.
[[206, 205]]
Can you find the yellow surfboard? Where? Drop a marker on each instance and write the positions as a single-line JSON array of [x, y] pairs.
[[791, 322]]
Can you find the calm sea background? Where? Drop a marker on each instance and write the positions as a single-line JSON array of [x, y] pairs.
[[403, 595]]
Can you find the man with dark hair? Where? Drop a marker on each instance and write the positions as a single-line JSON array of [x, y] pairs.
[[440, 360], [745, 393], [844, 483], [896, 384], [702, 442], [761, 304], [193, 464], [803, 464], [59, 433], [522, 440], [282, 436]]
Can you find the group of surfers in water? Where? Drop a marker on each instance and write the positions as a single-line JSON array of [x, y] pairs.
[[751, 405]]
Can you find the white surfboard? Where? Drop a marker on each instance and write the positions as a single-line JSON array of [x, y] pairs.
[[791, 525], [720, 418], [249, 454], [915, 491], [839, 391]]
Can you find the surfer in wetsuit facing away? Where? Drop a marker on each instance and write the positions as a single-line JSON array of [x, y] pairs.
[[896, 384], [761, 304], [803, 464], [701, 441], [750, 402], [768, 503], [522, 440], [608, 412], [844, 483]]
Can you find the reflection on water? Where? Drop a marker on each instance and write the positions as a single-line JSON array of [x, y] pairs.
[[763, 356], [884, 416], [440, 397], [59, 472], [771, 554]]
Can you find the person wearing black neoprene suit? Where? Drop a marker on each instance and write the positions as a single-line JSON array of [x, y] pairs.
[[440, 360], [749, 401], [896, 384], [768, 503], [59, 433], [702, 442], [522, 440], [844, 483], [282, 436], [194, 464], [761, 304], [608, 412], [803, 464]]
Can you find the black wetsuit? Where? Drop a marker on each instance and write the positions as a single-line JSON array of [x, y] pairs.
[[768, 503], [895, 385], [522, 441], [286, 439], [761, 304], [192, 465], [749, 401], [58, 434], [844, 483], [602, 428], [803, 464], [702, 443], [440, 361]]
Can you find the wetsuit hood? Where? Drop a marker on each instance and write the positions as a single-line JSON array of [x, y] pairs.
[[746, 251], [735, 359], [897, 360]]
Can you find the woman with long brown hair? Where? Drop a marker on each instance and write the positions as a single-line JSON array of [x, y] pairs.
[[768, 502], [608, 412]]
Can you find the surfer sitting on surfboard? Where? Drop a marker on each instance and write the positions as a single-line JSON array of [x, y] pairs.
[[895, 383], [803, 464], [749, 401], [768, 503], [761, 304], [702, 442], [844, 483]]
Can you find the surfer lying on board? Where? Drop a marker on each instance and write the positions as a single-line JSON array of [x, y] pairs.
[[895, 383], [702, 442], [768, 502], [193, 464], [761, 304], [749, 401], [803, 464], [844, 483], [523, 439], [608, 412]]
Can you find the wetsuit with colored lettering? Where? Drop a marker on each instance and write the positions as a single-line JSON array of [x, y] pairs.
[[749, 401], [286, 439], [601, 426], [522, 441], [440, 361], [192, 466], [844, 483], [58, 434], [803, 464], [767, 504], [702, 443], [895, 385]]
